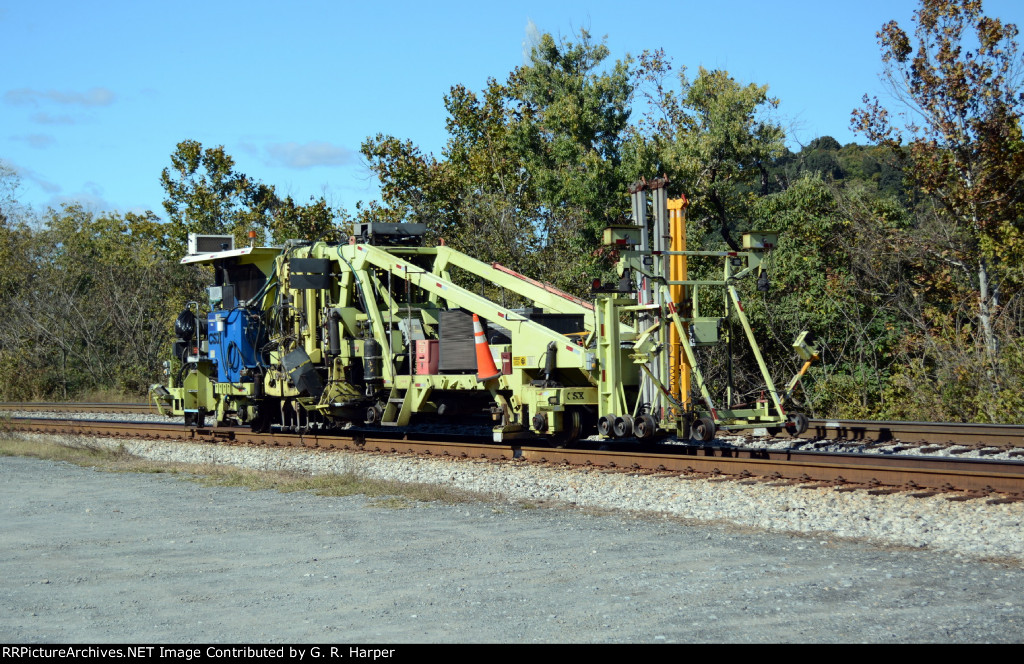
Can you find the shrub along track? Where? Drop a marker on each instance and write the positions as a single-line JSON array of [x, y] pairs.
[[997, 480]]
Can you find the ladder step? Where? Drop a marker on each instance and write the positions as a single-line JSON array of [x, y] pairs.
[[402, 400]]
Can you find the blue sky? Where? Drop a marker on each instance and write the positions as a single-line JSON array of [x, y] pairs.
[[96, 95]]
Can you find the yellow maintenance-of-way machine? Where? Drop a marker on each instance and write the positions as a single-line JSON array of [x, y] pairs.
[[378, 332]]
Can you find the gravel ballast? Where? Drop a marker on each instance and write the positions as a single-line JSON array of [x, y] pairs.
[[96, 556], [973, 528]]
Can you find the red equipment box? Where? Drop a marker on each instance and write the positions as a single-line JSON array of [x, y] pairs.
[[426, 357]]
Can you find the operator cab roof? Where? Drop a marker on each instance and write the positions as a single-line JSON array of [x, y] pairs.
[[209, 257]]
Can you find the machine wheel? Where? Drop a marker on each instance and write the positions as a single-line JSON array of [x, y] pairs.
[[644, 427], [703, 429], [623, 426], [796, 424], [573, 422], [197, 419], [373, 415], [606, 426], [260, 423]]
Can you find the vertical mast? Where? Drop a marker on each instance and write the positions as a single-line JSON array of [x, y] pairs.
[[680, 364], [660, 368], [638, 195]]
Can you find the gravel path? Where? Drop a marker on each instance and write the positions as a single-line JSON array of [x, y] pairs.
[[971, 528], [89, 556]]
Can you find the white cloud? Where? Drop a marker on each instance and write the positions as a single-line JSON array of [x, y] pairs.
[[531, 39], [87, 200], [44, 184], [37, 141], [37, 179], [47, 119], [308, 155], [28, 96]]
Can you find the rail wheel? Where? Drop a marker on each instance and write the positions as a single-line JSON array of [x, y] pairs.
[[644, 427], [573, 421], [623, 426], [796, 424], [260, 423], [606, 426], [703, 429], [373, 415], [196, 419]]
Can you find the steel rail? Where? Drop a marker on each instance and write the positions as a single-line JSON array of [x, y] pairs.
[[69, 407], [996, 435], [951, 433], [980, 476]]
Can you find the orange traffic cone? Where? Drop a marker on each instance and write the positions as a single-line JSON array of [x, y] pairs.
[[485, 369]]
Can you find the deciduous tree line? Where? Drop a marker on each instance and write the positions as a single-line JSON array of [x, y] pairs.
[[905, 256]]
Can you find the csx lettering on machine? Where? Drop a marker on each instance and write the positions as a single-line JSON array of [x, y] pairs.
[[378, 331]]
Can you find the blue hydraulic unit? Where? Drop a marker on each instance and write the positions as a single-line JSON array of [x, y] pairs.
[[233, 337]]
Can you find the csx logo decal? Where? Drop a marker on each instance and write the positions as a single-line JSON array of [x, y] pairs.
[[575, 395]]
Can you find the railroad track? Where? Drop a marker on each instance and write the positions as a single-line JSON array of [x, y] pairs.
[[67, 407], [943, 433], [1003, 436], [921, 476]]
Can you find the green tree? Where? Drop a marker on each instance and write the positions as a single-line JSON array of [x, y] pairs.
[[580, 115], [9, 183], [958, 108], [834, 272], [206, 194], [531, 170], [89, 307], [14, 230], [314, 221], [414, 186], [712, 136]]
